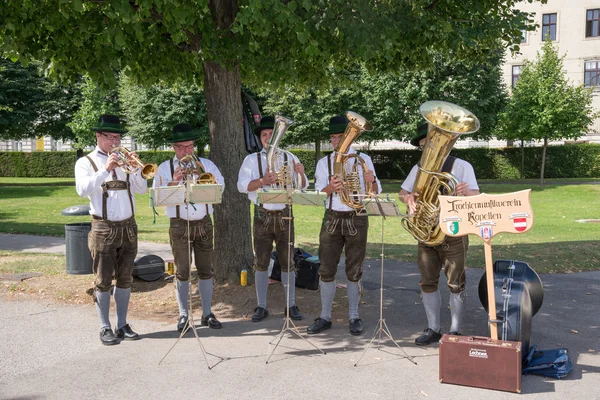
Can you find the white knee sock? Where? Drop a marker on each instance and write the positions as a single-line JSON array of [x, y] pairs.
[[102, 308], [122, 304], [205, 287], [432, 303], [261, 280], [353, 299], [458, 303], [327, 295], [182, 290]]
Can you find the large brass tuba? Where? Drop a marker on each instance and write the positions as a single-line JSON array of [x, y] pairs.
[[281, 161], [352, 194], [446, 122], [192, 165], [130, 163]]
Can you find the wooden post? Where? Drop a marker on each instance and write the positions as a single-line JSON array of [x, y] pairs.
[[489, 273]]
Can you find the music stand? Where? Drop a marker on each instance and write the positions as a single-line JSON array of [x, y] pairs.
[[282, 196], [188, 194], [384, 208]]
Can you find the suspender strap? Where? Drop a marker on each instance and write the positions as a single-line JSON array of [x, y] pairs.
[[173, 173], [260, 170], [448, 164], [130, 196], [329, 174], [92, 162]]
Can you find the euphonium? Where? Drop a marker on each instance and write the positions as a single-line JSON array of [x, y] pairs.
[[130, 163], [446, 122], [352, 194], [191, 165], [281, 161]]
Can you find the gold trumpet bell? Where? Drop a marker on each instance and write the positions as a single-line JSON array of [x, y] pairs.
[[149, 171]]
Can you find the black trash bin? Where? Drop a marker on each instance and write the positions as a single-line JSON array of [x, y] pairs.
[[79, 258]]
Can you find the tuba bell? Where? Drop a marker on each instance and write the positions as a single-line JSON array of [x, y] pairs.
[[352, 194], [446, 122], [192, 165], [281, 161], [130, 163]]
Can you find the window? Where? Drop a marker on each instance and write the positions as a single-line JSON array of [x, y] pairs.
[[592, 71], [549, 26], [592, 23], [523, 36], [516, 72]]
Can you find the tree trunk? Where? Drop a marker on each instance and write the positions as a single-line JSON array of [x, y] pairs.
[[522, 159], [543, 162], [233, 243]]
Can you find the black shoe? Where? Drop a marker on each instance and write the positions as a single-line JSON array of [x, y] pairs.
[[356, 326], [127, 333], [428, 337], [455, 333], [259, 314], [211, 321], [107, 337], [295, 313], [318, 326], [182, 322]]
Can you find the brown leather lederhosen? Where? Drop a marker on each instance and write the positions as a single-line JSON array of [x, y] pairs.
[[112, 244], [201, 243], [272, 226], [342, 230]]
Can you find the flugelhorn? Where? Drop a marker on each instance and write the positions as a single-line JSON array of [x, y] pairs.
[[281, 161], [192, 165], [446, 122], [352, 194], [131, 163]]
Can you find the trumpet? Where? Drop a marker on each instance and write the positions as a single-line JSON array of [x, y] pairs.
[[191, 165], [130, 163]]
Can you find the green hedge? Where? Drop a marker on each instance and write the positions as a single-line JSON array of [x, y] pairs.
[[567, 161]]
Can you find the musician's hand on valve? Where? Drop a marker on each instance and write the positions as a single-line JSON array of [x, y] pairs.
[[178, 174], [298, 167], [369, 176], [269, 178], [112, 162], [462, 189], [411, 202], [335, 183]]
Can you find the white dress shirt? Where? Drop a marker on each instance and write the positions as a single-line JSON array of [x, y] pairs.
[[322, 178], [88, 184], [249, 172], [461, 169], [193, 212]]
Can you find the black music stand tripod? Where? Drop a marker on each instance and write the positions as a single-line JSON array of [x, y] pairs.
[[387, 208], [185, 198], [288, 324]]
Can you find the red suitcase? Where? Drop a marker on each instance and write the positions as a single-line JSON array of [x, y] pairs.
[[481, 362]]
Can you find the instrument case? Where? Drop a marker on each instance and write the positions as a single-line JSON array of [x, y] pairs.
[[480, 362], [149, 268]]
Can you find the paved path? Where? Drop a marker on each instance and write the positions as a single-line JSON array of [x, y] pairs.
[[52, 351]]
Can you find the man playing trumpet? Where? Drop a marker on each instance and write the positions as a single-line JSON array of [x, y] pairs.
[[113, 237], [200, 235]]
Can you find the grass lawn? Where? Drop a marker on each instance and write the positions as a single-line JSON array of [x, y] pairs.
[[556, 243]]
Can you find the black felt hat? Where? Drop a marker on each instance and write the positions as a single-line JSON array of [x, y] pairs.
[[265, 123], [337, 124], [183, 133], [421, 134], [109, 123]]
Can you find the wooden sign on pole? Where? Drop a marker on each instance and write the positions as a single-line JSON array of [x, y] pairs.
[[485, 216]]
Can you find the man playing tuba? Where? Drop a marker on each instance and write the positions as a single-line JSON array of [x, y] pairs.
[[343, 227], [196, 218], [451, 254], [113, 238], [271, 221]]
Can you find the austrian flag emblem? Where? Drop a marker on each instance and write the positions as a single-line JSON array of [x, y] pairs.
[[520, 224]]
